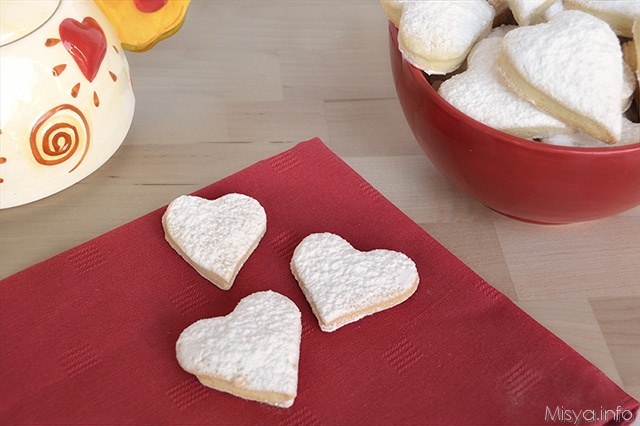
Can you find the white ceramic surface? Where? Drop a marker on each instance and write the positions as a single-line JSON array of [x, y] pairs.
[[66, 96]]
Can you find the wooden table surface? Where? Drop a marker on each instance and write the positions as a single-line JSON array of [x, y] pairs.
[[247, 79]]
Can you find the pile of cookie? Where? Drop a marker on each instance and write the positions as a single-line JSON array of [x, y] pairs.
[[562, 72], [253, 352]]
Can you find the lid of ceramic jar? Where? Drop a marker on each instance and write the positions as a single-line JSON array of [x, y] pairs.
[[19, 18]]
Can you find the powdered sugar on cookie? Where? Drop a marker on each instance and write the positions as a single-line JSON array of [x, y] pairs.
[[636, 47], [436, 36], [629, 85], [556, 7], [252, 353], [619, 14], [393, 10], [215, 237], [480, 93], [630, 135], [343, 285], [528, 12], [571, 67]]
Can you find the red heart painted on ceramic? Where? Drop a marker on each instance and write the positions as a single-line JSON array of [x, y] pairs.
[[149, 6], [85, 42]]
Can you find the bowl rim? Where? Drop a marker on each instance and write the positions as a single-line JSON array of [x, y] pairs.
[[422, 82]]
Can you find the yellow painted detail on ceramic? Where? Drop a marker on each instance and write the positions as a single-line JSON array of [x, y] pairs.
[[143, 23]]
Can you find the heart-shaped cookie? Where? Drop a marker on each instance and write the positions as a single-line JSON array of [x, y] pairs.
[[634, 52], [343, 285], [215, 236], [252, 353], [436, 36], [630, 135], [570, 67], [618, 14], [480, 93], [86, 43], [528, 12], [393, 10]]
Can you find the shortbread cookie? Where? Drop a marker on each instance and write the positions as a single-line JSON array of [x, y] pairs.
[[393, 10], [636, 43], [619, 14], [527, 12], [480, 93], [215, 237], [556, 7], [630, 57], [629, 54], [629, 84], [500, 6], [535, 62], [436, 36], [499, 32], [630, 135], [343, 285], [252, 353]]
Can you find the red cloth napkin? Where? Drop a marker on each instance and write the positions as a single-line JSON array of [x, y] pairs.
[[88, 336]]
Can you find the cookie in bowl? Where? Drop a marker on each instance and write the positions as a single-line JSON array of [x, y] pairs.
[[527, 178]]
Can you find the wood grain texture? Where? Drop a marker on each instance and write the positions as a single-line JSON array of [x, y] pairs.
[[248, 79]]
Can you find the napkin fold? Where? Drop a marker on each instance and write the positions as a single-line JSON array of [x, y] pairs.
[[88, 336]]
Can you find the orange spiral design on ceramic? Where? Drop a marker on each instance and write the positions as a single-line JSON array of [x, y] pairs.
[[61, 134]]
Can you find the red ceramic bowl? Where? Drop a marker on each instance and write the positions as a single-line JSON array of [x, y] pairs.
[[517, 177]]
